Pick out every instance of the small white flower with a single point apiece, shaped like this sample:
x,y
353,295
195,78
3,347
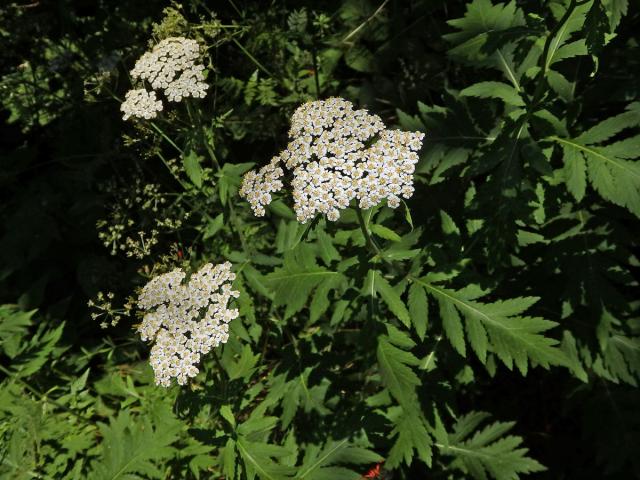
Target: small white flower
x,y
171,66
186,320
337,154
140,103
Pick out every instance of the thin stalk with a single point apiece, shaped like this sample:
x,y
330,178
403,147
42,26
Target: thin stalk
x,y
367,235
314,58
222,374
166,163
164,135
251,57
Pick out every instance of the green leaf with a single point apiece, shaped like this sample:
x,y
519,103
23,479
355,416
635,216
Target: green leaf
x,y
496,327
191,162
299,277
609,168
504,92
213,227
395,368
258,460
391,297
245,366
229,456
14,325
319,464
596,25
563,87
487,453
411,435
131,445
384,232
449,227
418,309
575,172
227,414
327,251
616,9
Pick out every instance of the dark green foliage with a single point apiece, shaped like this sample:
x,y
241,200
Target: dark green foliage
x,y
488,328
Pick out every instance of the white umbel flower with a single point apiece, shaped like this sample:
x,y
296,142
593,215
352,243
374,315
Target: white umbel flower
x,y
172,67
337,154
186,320
140,103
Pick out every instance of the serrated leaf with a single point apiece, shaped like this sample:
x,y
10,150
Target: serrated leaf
x,y
497,327
397,375
298,278
418,309
597,26
131,445
191,162
487,453
258,460
391,298
384,232
575,172
500,90
229,456
609,169
227,414
411,436
328,252
321,464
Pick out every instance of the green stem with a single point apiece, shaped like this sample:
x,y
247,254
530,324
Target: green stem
x,y
221,373
163,135
316,79
166,163
367,235
251,57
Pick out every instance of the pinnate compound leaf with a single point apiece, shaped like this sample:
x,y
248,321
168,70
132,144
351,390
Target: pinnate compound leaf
x,y
611,169
496,327
487,453
131,446
411,436
395,364
259,460
322,463
299,278
597,26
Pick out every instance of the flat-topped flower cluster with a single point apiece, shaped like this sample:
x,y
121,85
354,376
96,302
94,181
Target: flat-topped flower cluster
x,y
337,154
172,67
185,320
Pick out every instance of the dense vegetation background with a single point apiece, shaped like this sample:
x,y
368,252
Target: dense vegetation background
x,y
501,316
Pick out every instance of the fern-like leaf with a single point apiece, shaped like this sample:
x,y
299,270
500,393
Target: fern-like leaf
x,y
487,453
496,327
609,168
131,446
395,364
321,463
299,277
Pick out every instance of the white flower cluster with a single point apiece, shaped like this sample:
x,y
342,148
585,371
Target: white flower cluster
x,y
171,66
140,103
186,320
337,154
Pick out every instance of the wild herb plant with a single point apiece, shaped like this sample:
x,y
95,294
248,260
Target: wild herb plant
x,y
368,240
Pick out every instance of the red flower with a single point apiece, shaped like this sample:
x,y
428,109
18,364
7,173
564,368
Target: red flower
x,y
374,472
